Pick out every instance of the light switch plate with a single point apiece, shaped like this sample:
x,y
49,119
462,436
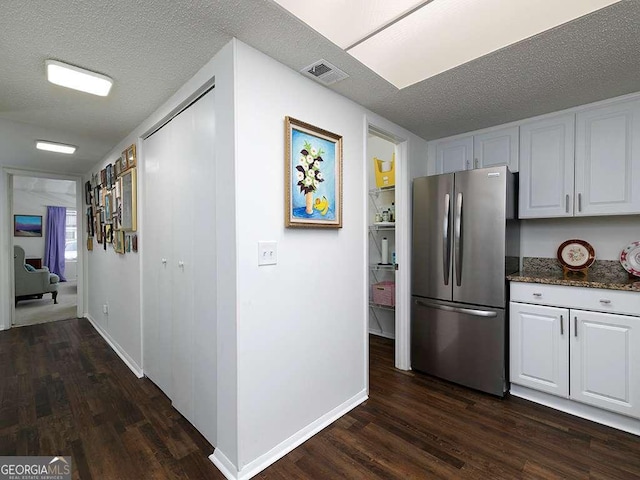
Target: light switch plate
x,y
267,253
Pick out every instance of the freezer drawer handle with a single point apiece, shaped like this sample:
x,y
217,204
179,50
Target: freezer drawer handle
x,y
467,311
458,240
446,244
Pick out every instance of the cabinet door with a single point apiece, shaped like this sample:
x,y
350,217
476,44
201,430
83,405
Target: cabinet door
x,y
605,361
539,347
546,168
454,155
496,148
608,160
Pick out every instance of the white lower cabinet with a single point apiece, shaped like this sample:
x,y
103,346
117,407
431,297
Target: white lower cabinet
x,y
605,361
540,348
585,356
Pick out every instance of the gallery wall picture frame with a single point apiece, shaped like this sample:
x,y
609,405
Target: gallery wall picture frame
x,y
313,176
119,242
117,167
108,207
103,177
128,204
90,244
87,193
134,243
96,196
27,225
129,159
99,228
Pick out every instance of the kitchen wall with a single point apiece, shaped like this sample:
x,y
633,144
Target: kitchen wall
x,y
608,235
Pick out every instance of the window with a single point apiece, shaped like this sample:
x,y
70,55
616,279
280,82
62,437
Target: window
x,y
71,236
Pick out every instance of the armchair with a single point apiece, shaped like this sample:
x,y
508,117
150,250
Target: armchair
x,y
35,283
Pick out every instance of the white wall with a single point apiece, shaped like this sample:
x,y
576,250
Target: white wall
x,y
35,203
608,235
301,323
27,202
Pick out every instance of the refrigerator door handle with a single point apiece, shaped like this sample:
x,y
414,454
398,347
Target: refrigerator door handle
x,y
446,244
466,311
457,240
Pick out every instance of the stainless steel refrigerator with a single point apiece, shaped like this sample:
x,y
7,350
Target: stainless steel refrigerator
x,y
466,239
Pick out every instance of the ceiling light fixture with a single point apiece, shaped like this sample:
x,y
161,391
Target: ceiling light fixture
x,y
78,78
407,41
55,147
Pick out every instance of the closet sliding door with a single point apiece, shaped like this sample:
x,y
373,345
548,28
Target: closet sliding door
x,y
179,290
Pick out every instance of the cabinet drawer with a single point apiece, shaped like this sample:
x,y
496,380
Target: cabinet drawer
x,y
596,299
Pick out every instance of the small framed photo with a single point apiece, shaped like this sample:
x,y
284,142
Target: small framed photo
x,y
313,176
99,228
103,177
129,155
117,167
27,225
90,244
134,243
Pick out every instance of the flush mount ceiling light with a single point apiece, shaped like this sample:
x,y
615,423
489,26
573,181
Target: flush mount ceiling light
x,y
55,147
78,78
413,41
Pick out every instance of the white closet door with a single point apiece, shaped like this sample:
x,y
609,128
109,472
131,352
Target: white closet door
x,y
156,275
185,233
204,275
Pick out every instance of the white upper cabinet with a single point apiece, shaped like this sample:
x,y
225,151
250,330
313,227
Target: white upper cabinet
x,y
454,155
546,167
496,147
488,149
608,160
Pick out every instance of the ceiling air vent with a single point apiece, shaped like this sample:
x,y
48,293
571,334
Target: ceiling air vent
x,y
324,72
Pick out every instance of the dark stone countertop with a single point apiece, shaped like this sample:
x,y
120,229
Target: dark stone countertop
x,y
606,274
590,281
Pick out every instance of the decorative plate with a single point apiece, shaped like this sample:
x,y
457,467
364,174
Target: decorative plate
x,y
576,254
630,258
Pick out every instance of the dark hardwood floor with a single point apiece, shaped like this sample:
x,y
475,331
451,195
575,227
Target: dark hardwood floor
x,y
64,391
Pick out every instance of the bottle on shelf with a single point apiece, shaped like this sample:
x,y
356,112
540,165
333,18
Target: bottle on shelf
x,y
392,212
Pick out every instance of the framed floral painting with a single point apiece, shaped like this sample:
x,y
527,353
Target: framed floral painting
x,y
313,176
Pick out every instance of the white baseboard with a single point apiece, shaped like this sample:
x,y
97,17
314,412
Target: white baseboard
x,y
610,419
129,362
230,471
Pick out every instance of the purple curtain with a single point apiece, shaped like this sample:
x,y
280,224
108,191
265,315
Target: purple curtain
x,y
55,240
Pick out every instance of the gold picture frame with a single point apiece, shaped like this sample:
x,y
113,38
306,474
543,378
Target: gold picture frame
x,y
128,205
313,176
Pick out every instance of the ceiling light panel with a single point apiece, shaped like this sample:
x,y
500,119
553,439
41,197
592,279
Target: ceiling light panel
x,y
346,22
444,34
55,147
78,78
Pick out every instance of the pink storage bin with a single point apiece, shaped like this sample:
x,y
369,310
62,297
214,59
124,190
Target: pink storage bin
x,y
384,293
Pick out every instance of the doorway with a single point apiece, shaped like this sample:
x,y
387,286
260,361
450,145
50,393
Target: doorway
x,y
31,197
387,243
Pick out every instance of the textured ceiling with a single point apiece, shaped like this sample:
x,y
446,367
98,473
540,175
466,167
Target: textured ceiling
x,y
151,48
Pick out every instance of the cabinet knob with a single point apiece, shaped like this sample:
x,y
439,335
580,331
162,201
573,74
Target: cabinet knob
x,y
181,264
537,295
604,301
164,261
